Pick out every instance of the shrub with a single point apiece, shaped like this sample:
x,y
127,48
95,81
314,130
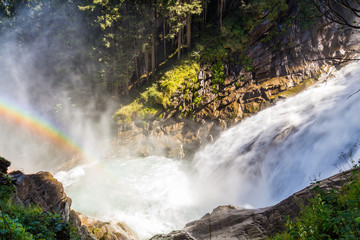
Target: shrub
x,y
217,70
330,215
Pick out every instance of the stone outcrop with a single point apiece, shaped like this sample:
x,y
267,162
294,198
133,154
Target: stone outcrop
x,y
233,223
107,230
4,164
44,190
279,67
41,189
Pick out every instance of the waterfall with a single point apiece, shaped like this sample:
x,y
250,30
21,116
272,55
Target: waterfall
x,y
278,151
256,163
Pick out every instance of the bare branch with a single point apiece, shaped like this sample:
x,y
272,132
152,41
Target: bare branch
x,y
339,11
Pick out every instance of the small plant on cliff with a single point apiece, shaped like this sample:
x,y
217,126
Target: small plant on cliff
x,y
218,75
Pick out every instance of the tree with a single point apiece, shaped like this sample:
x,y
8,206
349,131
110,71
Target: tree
x,y
221,7
180,12
125,31
344,12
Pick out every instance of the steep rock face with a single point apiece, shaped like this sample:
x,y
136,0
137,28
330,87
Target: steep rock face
x,y
280,67
44,190
230,222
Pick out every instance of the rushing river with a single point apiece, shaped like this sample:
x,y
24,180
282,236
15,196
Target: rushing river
x,y
257,163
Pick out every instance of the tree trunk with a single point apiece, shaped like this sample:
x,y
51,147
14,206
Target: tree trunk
x,y
188,32
205,11
114,82
146,55
137,70
164,34
136,63
179,44
221,12
182,37
127,88
153,53
153,17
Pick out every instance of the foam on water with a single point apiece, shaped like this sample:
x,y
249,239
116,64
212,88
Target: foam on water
x,y
151,194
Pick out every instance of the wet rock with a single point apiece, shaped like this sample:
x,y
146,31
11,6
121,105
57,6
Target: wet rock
x,y
107,230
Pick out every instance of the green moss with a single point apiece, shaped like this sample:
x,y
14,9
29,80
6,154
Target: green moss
x,y
135,110
218,75
156,97
296,89
171,80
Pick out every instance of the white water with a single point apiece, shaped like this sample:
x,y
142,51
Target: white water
x,y
151,195
260,161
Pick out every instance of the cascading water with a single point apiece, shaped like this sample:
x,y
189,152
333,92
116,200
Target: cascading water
x,y
260,161
271,155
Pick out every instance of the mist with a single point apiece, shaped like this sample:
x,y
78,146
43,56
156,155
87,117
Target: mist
x,y
45,74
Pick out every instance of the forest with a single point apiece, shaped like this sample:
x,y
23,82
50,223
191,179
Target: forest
x,y
116,44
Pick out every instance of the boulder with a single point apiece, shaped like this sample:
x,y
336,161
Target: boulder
x,y
41,189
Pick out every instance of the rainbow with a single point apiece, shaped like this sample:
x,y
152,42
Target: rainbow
x,y
38,126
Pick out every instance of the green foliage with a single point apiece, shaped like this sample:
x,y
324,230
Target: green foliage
x,y
235,35
156,97
239,25
127,30
11,229
197,100
133,111
307,14
217,70
211,49
176,12
25,223
330,215
6,190
171,80
227,45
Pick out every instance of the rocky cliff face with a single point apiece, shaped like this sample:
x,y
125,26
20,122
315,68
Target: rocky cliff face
x,y
281,66
230,222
